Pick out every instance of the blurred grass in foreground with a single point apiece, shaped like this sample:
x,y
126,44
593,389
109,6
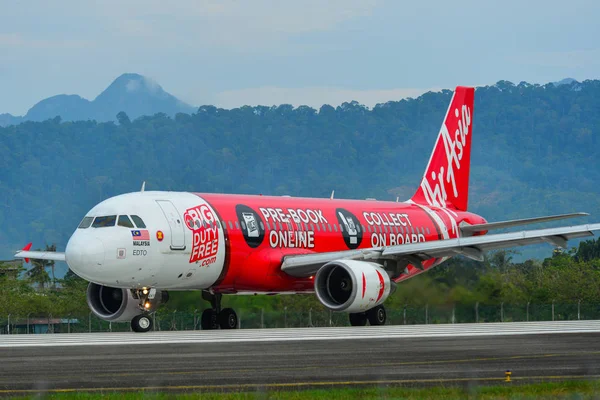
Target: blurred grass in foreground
x,y
554,390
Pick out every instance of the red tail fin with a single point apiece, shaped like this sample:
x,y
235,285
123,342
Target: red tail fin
x,y
446,179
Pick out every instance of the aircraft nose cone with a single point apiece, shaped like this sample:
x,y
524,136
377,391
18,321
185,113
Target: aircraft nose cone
x,y
84,254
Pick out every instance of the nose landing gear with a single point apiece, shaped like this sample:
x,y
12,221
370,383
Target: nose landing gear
x,y
215,317
143,322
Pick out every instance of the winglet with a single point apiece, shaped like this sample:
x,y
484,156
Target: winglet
x,y
27,248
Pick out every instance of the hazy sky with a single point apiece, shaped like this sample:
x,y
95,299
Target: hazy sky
x,y
235,52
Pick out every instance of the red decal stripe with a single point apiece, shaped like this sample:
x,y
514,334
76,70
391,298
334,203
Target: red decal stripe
x,y
364,285
381,285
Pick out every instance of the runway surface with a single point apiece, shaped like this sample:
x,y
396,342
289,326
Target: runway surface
x,y
270,359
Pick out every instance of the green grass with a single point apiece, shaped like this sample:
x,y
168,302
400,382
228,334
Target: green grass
x,y
554,390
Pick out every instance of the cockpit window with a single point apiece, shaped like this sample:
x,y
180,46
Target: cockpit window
x,y
103,222
85,222
125,221
138,221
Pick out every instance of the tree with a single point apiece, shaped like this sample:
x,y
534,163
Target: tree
x,y
123,118
37,273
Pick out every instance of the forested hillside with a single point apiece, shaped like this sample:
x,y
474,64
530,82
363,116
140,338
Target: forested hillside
x,y
535,151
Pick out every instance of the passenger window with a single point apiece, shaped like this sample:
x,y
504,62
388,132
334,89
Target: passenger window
x,y
138,221
237,226
85,222
335,227
124,221
230,225
312,227
103,222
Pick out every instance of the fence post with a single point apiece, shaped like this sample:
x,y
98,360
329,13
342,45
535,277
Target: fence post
x,y
552,310
285,317
110,326
477,311
579,309
330,321
8,326
262,318
453,313
502,312
173,322
405,314
426,314
527,311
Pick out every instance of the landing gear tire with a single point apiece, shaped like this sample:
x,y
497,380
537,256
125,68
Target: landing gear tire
x,y
141,323
358,319
228,319
377,315
209,319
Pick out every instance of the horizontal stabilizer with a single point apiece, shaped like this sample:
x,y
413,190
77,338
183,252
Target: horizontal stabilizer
x,y
470,229
41,255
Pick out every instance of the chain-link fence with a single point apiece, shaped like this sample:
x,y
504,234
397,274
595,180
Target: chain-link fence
x,y
164,320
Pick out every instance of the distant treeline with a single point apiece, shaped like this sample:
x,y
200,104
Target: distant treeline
x,y
535,151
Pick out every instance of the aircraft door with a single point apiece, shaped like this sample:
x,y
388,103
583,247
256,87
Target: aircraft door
x,y
175,224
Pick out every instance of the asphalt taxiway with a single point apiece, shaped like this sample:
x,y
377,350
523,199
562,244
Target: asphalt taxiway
x,y
253,360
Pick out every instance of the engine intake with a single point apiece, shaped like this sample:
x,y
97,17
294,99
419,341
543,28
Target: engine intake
x,y
116,304
352,286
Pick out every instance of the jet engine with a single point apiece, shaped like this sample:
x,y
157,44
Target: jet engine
x,y
118,305
352,286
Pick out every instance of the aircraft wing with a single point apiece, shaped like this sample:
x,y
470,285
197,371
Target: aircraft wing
x,y
41,255
473,247
470,229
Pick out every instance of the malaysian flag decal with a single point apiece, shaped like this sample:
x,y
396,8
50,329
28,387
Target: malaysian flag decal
x,y
141,234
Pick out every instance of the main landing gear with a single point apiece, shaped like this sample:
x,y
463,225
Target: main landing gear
x,y
376,316
215,317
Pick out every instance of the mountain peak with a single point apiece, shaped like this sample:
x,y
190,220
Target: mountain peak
x,y
132,93
137,95
134,83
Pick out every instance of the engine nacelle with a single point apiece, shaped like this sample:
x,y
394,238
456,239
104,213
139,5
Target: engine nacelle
x,y
118,305
352,286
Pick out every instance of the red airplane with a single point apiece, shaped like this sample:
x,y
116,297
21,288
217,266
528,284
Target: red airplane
x,y
135,247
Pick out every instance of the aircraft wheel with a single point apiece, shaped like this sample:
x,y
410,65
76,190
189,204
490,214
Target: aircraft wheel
x,y
209,319
377,315
141,323
228,319
358,319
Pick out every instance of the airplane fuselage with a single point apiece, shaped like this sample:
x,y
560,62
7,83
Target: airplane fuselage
x,y
236,243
